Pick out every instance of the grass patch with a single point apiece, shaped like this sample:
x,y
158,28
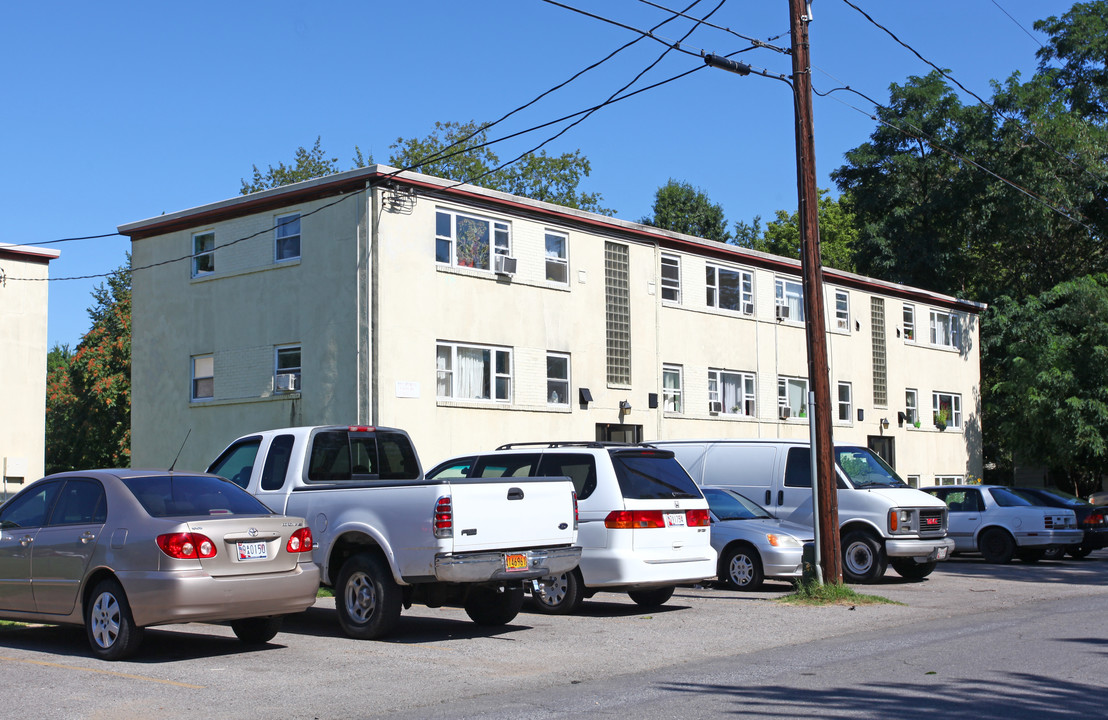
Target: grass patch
x,y
12,623
325,592
812,593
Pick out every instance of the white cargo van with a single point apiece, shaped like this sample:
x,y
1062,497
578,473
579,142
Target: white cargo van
x,y
882,520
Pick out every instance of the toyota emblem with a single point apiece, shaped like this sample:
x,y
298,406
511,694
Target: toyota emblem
x,y
252,532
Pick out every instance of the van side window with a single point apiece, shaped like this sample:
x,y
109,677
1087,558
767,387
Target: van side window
x,y
579,468
798,468
277,463
522,465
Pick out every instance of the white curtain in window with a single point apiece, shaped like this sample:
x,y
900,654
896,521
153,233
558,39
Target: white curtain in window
x,y
732,393
472,372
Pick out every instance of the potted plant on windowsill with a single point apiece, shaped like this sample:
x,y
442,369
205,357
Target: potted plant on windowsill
x,y
941,419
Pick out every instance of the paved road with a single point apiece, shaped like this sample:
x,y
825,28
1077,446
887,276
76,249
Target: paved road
x,y
974,640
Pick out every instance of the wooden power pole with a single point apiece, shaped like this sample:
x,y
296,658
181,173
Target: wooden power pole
x,y
818,375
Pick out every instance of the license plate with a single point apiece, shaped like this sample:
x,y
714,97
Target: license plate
x,y
942,554
252,551
515,562
675,519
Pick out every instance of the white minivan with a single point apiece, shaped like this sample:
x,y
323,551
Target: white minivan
x,y
644,525
882,520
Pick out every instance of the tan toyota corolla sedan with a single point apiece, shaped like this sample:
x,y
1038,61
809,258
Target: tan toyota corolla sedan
x,y
121,550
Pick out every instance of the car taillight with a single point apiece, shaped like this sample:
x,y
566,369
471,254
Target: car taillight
x,y
576,514
187,545
300,541
698,518
1095,519
1048,521
443,521
634,519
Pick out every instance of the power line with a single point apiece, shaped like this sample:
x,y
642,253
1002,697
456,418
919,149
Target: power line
x,y
69,239
1017,22
754,41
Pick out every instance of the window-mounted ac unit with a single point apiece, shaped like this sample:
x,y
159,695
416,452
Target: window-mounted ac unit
x,y
782,312
748,308
715,407
286,382
504,265
785,412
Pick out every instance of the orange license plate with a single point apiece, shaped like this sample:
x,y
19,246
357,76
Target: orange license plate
x,y
515,562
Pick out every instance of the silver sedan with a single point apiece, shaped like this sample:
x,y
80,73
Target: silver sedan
x,y
121,550
752,544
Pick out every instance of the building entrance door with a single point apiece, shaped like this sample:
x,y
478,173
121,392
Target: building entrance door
x,y
611,432
884,447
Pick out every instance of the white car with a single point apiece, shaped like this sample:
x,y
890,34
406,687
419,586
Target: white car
x,y
1001,524
644,524
752,544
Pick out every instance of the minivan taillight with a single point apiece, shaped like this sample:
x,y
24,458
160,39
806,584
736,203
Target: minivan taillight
x,y
443,521
698,518
576,513
634,519
184,546
300,541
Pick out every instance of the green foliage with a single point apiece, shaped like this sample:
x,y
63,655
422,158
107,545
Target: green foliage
x,y
459,151
1046,385
837,231
88,391
1079,40
813,593
309,164
682,208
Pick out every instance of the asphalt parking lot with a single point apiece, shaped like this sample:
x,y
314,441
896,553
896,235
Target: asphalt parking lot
x,y
438,657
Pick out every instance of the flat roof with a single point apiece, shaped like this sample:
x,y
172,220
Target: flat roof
x,y
29,253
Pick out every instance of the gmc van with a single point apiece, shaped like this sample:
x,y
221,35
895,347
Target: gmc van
x,y
882,520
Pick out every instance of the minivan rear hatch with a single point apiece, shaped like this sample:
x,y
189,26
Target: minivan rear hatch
x,y
666,509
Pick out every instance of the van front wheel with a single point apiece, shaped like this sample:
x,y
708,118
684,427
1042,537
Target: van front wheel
x,y
864,559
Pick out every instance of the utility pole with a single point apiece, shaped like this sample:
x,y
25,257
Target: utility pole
x,y
822,449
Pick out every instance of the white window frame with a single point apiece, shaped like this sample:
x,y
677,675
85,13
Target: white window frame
x,y
671,281
842,311
846,405
954,402
282,237
557,387
285,368
203,257
713,289
908,322
449,376
948,334
201,368
746,399
673,395
446,237
783,385
949,479
791,294
557,263
911,406
912,480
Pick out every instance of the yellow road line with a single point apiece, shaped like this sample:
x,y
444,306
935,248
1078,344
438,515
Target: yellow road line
x,y
103,672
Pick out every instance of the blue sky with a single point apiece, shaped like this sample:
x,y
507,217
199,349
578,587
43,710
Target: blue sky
x,y
120,111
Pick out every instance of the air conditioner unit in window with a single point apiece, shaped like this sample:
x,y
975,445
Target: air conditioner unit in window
x,y
504,265
782,312
715,407
748,308
286,382
785,412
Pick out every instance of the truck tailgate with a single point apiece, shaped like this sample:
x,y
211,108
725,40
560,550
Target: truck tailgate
x,y
509,513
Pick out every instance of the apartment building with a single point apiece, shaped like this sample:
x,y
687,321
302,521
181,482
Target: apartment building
x,y
24,290
473,318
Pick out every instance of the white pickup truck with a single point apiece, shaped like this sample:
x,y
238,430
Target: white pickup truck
x,y
385,536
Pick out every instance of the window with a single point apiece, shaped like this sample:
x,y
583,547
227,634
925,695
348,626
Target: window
x,y
203,254
946,330
467,372
673,399
557,379
791,295
467,241
671,278
203,377
617,310
947,409
557,258
731,392
81,502
911,407
970,502
913,481
287,369
287,245
909,323
730,289
842,311
845,403
792,397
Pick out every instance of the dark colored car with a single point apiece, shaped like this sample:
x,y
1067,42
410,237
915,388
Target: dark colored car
x,y
1090,518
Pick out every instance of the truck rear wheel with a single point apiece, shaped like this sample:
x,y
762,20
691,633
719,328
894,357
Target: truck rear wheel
x,y
864,559
366,597
490,606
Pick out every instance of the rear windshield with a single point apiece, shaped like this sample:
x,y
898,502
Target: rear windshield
x,y
190,495
652,475
1006,498
727,505
343,455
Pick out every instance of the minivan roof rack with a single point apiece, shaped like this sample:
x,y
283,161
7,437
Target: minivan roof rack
x,y
564,443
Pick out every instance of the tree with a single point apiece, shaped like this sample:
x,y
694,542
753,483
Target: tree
x,y
460,151
1047,383
1079,40
837,230
88,394
680,207
309,164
